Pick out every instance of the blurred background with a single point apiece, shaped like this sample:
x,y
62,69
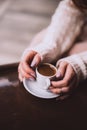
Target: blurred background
x,y
20,20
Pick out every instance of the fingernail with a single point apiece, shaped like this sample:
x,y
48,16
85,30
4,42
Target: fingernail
x,y
31,79
33,63
58,74
33,74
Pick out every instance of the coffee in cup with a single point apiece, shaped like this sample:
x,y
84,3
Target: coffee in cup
x,y
46,70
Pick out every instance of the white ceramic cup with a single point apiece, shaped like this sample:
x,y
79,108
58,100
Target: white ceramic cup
x,y
44,80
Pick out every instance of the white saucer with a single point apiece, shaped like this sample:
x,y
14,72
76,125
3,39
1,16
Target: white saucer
x,y
32,87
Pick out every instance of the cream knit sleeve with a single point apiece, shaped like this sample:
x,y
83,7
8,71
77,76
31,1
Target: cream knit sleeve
x,y
79,64
64,28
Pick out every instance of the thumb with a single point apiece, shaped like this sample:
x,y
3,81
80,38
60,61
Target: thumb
x,y
36,60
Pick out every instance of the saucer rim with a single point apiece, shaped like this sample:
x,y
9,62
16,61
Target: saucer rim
x,y
36,94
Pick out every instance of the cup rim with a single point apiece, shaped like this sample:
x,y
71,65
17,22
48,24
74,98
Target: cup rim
x,y
45,75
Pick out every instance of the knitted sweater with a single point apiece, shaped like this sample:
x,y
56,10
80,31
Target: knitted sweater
x,y
65,26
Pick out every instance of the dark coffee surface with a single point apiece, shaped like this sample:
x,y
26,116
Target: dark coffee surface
x,y
20,110
46,70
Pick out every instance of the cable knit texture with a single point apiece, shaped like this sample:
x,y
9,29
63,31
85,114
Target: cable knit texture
x,y
65,26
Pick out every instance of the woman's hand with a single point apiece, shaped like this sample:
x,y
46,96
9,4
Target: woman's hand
x,y
26,66
66,80
31,59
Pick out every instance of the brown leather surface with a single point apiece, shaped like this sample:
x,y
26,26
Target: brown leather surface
x,y
19,110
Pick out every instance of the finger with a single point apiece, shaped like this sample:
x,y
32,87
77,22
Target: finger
x,y
20,77
59,84
23,73
27,69
19,74
61,70
55,90
65,89
60,91
70,73
29,56
36,60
